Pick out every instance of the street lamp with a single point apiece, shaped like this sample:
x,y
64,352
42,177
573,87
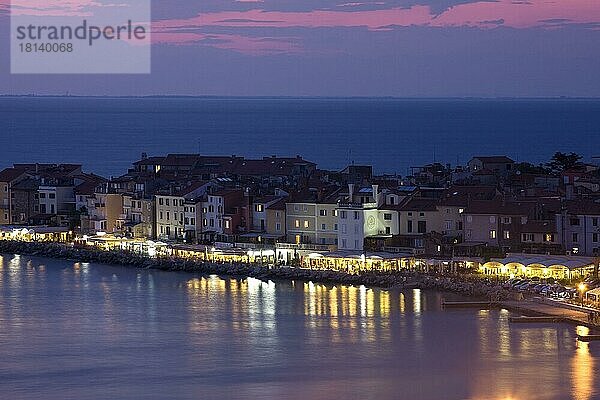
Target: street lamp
x,y
582,287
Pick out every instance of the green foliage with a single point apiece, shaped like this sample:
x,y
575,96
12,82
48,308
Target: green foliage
x,y
562,161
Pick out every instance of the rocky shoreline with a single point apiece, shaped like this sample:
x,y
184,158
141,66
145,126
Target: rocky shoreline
x,y
465,285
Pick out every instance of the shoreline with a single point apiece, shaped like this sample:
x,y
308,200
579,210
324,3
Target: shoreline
x,y
473,288
469,286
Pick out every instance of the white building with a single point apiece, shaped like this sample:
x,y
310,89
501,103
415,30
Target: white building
x,y
363,219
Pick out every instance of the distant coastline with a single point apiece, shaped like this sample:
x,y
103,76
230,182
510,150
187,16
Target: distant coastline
x,y
273,97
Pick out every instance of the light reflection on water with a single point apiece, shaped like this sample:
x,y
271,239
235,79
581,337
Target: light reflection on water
x,y
75,330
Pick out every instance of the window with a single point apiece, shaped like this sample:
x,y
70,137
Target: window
x,y
506,235
335,213
575,237
323,227
388,230
277,214
167,215
492,219
355,229
167,201
549,237
421,214
344,228
42,195
595,237
422,227
356,244
212,223
574,221
296,207
51,195
409,226
161,215
595,221
323,213
469,218
343,215
335,227
306,224
180,202
392,200
448,225
187,221
387,217
356,215
506,220
193,221
344,243
323,241
278,226
410,214
492,234
304,208
227,224
258,208
297,223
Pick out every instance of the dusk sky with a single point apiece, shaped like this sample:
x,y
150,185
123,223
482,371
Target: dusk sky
x,y
423,48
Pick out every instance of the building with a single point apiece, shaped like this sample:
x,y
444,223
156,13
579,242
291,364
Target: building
x,y
499,165
179,210
8,178
312,217
360,217
578,227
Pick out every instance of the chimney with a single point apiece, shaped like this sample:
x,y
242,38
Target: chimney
x,y
376,194
144,156
350,192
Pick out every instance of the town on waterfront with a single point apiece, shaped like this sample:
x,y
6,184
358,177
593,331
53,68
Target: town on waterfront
x,y
535,226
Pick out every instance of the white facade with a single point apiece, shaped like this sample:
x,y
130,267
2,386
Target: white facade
x,y
56,199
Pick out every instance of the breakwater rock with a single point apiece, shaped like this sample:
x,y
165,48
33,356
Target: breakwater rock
x,y
469,286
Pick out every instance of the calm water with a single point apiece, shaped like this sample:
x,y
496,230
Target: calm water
x,y
108,134
85,331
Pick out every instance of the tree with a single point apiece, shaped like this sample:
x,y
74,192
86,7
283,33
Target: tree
x,y
562,161
528,168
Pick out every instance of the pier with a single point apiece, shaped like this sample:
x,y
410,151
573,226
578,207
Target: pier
x,y
468,304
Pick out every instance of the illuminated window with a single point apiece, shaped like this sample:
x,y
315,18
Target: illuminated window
x,y
297,223
506,234
493,234
306,224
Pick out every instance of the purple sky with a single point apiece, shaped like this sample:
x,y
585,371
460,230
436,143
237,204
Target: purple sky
x,y
425,48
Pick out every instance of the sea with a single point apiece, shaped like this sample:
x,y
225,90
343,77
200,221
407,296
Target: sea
x,y
107,134
84,331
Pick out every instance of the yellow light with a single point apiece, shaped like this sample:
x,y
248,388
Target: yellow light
x,y
582,287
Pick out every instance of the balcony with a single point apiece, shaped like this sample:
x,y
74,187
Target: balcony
x,y
305,246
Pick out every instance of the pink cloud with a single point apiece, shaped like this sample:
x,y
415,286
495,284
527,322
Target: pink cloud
x,y
238,43
481,14
61,8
